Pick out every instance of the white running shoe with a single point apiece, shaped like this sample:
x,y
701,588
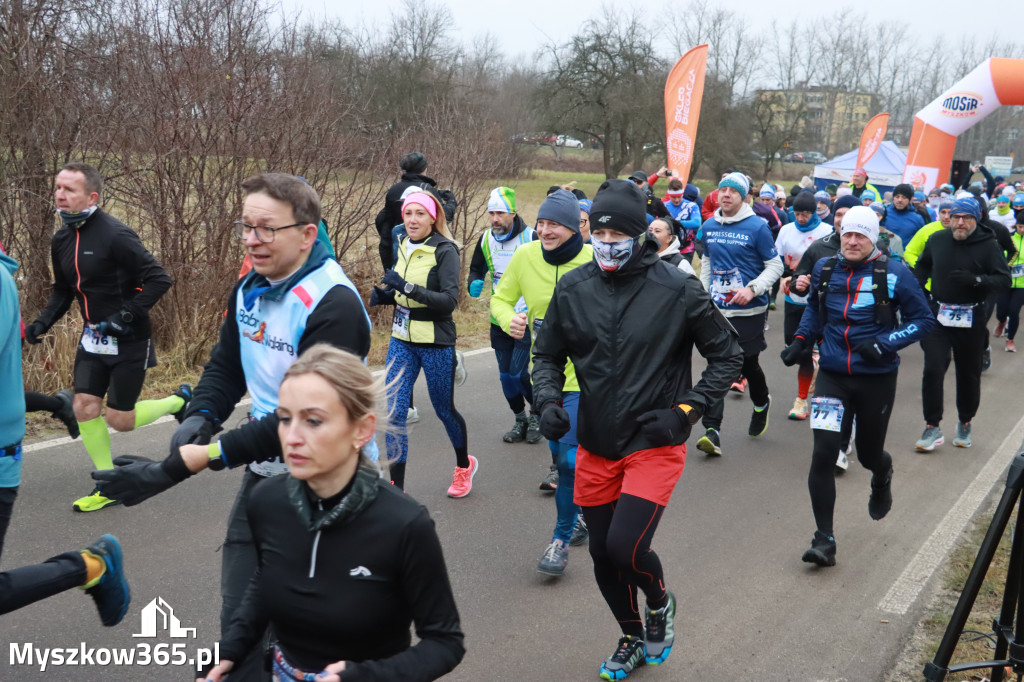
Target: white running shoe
x,y
460,369
842,462
413,416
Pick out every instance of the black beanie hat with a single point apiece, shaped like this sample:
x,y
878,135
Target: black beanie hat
x,y
903,189
413,162
849,201
805,201
619,205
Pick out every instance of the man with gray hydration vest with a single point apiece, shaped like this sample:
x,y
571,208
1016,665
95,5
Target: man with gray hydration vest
x,y
493,252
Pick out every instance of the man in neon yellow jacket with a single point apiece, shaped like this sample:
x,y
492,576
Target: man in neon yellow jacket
x,y
532,274
913,250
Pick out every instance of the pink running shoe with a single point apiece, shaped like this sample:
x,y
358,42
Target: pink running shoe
x,y
462,479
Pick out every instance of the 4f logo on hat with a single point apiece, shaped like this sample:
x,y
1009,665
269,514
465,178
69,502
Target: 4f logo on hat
x,y
604,219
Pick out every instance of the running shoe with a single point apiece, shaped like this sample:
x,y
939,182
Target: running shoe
x,y
822,551
554,559
710,444
413,416
550,482
93,502
460,368
759,420
739,386
580,532
931,437
533,434
1011,347
66,413
842,462
963,436
986,360
462,479
1000,326
517,434
800,410
880,501
629,654
185,393
110,591
660,631
772,306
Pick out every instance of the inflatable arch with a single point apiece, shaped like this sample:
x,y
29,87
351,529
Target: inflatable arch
x,y
992,84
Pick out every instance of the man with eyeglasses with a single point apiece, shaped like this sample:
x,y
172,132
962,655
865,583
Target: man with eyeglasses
x,y
965,265
102,263
296,296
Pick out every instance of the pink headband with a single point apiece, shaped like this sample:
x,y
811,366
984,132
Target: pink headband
x,y
424,200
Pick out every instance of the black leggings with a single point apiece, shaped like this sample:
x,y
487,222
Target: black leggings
x,y
758,390
870,398
1008,310
620,545
40,402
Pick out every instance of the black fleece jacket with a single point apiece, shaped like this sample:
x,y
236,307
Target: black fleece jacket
x,y
104,265
979,255
343,579
630,335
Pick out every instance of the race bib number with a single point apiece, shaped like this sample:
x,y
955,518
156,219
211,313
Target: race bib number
x,y
951,315
98,344
400,322
537,322
724,284
827,414
1017,270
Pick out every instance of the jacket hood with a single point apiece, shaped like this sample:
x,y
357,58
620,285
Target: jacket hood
x,y
671,249
742,214
418,178
9,263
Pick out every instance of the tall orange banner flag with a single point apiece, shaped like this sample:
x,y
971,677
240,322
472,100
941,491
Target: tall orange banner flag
x,y
871,138
684,91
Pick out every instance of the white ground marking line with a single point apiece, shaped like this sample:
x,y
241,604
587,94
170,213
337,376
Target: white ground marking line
x,y
933,552
64,440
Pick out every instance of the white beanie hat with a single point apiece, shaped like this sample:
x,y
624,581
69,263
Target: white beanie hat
x,y
862,220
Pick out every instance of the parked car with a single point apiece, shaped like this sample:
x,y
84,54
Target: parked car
x,y
814,157
568,142
795,157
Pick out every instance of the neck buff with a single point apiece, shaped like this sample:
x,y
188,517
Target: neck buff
x,y
76,218
811,224
502,237
824,212
612,256
565,252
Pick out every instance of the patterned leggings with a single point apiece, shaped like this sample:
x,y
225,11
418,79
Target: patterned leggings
x,y
438,362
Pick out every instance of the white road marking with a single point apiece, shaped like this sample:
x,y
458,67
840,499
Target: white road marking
x,y
933,552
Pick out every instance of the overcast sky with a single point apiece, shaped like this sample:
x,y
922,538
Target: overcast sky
x,y
522,26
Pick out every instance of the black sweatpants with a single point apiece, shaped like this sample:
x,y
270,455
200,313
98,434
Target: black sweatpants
x,y
620,545
869,398
751,338
23,586
966,348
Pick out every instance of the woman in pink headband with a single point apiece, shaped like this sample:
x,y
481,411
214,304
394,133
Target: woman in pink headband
x,y
424,288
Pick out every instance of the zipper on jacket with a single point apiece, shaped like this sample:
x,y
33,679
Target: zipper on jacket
x,y
846,332
78,273
316,544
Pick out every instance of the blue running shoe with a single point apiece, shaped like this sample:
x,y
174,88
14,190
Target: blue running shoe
x,y
629,655
660,631
110,591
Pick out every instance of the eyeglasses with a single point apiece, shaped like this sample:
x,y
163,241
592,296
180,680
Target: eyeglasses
x,y
584,221
962,219
263,234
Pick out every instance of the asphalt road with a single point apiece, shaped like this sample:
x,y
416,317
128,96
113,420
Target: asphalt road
x,y
730,541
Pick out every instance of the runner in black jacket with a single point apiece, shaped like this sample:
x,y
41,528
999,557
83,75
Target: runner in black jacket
x,y
629,321
101,262
412,164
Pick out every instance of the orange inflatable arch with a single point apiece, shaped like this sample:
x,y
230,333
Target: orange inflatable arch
x,y
995,82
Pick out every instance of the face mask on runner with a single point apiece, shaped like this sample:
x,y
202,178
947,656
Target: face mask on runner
x,y
76,218
612,256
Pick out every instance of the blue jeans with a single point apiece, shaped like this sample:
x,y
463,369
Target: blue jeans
x,y
563,451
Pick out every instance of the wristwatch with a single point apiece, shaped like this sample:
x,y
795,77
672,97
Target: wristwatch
x,y
409,286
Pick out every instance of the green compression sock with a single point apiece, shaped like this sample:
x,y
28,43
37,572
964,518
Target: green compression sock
x,y
148,411
96,440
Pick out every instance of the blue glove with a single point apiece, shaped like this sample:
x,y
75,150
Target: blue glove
x,y
394,280
476,287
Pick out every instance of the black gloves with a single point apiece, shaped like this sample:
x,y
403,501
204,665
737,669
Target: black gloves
x,y
34,331
117,325
196,429
665,427
136,479
964,278
554,421
379,296
394,280
792,353
870,351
